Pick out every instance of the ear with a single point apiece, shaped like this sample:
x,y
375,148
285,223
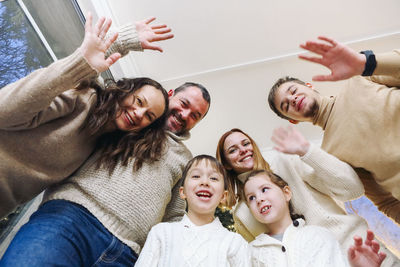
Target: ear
x,y
170,93
182,193
224,198
287,192
294,121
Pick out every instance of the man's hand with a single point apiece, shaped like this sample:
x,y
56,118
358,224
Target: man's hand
x,y
290,141
343,62
95,45
148,34
367,254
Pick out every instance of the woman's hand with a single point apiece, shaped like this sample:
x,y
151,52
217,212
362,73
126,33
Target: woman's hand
x,y
149,34
95,44
290,141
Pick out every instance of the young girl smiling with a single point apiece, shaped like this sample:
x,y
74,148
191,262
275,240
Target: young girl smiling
x,y
290,242
198,239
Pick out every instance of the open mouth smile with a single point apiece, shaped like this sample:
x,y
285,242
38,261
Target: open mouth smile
x,y
204,194
265,209
300,104
129,119
248,157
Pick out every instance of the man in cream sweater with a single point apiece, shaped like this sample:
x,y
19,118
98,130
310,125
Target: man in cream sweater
x,y
361,123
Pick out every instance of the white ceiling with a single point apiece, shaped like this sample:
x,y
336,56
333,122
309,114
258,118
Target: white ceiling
x,y
237,49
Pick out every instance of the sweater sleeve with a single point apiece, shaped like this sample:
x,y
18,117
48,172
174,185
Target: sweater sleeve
x,y
387,70
176,207
150,254
239,252
383,199
331,176
128,40
321,246
30,101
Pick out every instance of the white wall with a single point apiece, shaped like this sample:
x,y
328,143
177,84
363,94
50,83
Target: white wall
x,y
237,49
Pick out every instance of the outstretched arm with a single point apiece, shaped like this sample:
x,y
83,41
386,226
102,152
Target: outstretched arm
x,y
140,35
38,97
342,61
149,34
95,44
327,174
365,254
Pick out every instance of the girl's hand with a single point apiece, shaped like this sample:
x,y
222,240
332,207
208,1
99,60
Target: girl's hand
x,y
290,141
148,34
367,254
95,45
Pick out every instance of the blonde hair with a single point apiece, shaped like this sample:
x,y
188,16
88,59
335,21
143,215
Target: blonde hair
x,y
233,181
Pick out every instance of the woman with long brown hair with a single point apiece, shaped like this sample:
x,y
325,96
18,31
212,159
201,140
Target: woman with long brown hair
x,y
49,126
103,211
318,181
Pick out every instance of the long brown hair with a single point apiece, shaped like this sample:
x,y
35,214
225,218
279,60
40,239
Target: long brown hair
x,y
259,164
145,145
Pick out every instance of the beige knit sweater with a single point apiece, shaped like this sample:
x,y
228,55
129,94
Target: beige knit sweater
x,y
40,119
129,203
362,128
318,181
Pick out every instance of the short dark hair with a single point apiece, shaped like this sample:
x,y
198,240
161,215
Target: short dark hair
x,y
273,91
214,163
204,92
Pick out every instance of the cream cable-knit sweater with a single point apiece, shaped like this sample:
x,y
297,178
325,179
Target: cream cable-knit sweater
x,y
128,203
183,244
301,246
40,119
319,182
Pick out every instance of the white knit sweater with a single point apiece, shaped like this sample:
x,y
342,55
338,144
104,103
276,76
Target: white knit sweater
x,y
320,183
301,246
183,244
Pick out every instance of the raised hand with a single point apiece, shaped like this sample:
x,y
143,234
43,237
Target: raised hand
x,y
343,62
290,141
367,254
149,34
95,44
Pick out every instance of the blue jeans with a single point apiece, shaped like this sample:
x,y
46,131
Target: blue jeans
x,y
62,233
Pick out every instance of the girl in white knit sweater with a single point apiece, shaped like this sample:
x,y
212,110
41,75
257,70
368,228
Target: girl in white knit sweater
x,y
290,242
198,239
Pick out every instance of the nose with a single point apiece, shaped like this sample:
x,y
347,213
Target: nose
x,y
139,113
204,181
293,100
185,114
242,150
260,200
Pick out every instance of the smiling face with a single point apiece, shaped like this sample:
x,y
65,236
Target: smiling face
x,y
186,109
140,109
238,151
297,101
203,189
268,203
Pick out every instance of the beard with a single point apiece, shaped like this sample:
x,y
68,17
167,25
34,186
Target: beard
x,y
313,110
172,115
